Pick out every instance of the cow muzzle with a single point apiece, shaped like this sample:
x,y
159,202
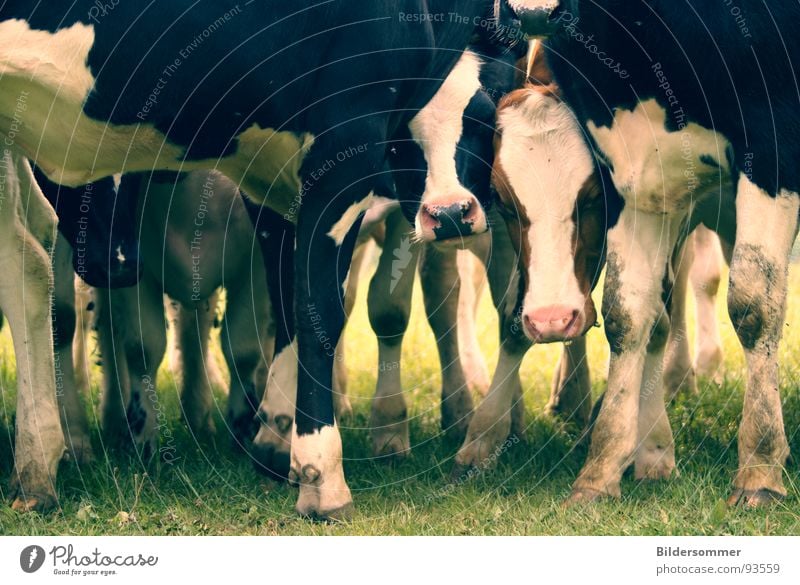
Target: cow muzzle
x,y
444,220
554,323
537,17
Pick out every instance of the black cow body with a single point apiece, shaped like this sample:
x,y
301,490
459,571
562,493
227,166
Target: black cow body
x,y
301,103
682,101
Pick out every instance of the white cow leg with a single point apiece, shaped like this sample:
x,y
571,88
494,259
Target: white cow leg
x,y
389,303
472,275
492,422
440,287
73,412
679,375
640,248
27,227
766,229
655,448
705,276
341,402
193,327
571,396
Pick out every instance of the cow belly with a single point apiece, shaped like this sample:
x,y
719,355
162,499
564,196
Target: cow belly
x,y
658,169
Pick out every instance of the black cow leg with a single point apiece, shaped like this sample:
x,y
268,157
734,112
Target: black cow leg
x,y
321,263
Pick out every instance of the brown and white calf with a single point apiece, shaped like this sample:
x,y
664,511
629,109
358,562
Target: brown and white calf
x,y
557,206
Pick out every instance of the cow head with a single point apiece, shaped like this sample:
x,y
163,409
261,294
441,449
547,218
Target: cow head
x,y
538,18
553,196
99,223
453,134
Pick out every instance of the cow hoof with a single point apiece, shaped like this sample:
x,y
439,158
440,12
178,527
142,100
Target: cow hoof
x,y
342,514
456,415
655,468
461,473
754,498
391,442
322,502
583,497
79,451
38,502
344,410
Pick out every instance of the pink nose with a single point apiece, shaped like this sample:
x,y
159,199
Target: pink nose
x,y
555,323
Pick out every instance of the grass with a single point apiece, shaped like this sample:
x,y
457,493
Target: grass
x,y
213,489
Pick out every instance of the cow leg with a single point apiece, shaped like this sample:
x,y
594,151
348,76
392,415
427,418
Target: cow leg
x,y
757,306
73,412
472,277
245,329
193,328
571,396
492,422
636,325
389,302
84,308
116,379
341,402
27,226
440,286
679,374
145,351
706,274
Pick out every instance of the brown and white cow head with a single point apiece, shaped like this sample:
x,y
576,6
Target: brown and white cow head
x,y
552,196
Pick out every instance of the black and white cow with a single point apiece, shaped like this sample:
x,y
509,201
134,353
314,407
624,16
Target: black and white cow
x,y
683,102
298,102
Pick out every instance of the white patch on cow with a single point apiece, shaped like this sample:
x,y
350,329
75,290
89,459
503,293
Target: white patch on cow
x,y
342,227
44,83
656,170
437,129
547,162
317,466
120,256
521,5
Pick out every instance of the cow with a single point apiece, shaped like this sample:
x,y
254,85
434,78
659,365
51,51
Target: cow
x,y
534,124
681,105
191,247
295,102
